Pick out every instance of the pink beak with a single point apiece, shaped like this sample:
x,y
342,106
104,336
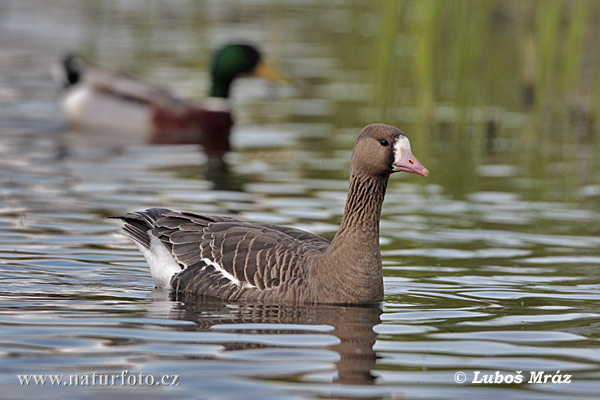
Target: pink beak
x,y
410,164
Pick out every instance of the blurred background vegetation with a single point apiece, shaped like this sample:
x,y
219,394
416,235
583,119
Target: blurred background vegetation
x,y
471,82
457,62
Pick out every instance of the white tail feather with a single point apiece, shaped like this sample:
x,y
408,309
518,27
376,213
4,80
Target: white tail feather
x,y
163,266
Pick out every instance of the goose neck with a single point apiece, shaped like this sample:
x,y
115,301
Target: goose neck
x,y
363,208
350,270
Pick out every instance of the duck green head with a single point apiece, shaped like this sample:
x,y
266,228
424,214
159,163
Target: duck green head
x,y
234,60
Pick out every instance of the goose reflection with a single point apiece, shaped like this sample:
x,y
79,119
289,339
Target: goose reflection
x,y
351,325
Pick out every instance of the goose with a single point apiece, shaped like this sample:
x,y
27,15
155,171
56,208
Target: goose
x,y
98,100
226,258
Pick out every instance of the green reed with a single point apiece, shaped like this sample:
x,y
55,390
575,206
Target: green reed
x,y
386,80
481,75
428,16
469,60
574,44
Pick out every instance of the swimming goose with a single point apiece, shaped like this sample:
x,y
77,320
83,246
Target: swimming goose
x,y
100,100
234,260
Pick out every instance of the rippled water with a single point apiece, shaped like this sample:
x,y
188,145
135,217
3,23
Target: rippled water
x,y
490,265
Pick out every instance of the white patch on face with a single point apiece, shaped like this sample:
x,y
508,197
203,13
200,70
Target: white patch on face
x,y
402,143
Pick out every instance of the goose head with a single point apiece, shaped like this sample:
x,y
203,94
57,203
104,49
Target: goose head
x,y
381,150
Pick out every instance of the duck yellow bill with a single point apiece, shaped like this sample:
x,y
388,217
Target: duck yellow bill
x,y
269,72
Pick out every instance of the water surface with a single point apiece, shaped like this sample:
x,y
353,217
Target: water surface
x,y
491,264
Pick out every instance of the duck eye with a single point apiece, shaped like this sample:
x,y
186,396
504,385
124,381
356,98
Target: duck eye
x,y
384,142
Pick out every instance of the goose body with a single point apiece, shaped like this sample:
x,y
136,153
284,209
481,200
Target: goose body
x,y
99,100
234,260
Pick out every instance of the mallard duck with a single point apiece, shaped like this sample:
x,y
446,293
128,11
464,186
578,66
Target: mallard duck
x,y
99,100
234,260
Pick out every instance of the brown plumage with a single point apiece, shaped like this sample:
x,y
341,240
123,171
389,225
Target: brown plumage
x,y
240,261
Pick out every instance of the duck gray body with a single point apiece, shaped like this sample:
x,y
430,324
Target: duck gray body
x,y
240,261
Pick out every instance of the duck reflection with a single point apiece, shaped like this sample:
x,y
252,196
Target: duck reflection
x,y
352,325
81,146
218,172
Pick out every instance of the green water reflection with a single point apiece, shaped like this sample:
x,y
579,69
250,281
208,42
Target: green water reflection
x,y
491,262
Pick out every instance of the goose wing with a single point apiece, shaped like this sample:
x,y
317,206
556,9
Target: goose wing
x,y
305,237
223,256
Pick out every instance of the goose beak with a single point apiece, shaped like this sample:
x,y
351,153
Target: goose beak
x,y
409,163
269,72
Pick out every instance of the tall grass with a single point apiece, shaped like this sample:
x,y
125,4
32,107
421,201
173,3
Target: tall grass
x,y
386,78
467,56
428,17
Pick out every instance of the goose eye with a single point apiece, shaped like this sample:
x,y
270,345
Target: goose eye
x,y
384,142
